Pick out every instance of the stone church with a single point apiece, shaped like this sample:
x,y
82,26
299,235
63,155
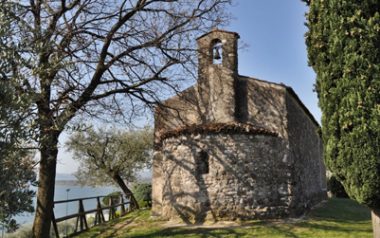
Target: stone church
x,y
234,147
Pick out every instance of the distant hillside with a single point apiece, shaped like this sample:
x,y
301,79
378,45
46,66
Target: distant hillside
x,y
144,176
64,179
63,176
66,182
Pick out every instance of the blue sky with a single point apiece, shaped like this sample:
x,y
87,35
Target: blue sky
x,y
273,31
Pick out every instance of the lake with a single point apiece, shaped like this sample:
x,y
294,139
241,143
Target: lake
x,y
75,191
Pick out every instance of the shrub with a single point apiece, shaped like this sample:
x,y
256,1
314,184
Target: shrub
x,y
142,192
115,198
25,231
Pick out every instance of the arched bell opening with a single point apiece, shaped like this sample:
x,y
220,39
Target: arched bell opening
x,y
216,51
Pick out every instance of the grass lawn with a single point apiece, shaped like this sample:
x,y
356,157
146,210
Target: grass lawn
x,y
338,218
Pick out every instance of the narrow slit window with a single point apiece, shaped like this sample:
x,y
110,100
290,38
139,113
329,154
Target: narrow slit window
x,y
217,52
202,163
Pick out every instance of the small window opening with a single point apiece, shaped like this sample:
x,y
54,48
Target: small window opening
x,y
217,52
202,163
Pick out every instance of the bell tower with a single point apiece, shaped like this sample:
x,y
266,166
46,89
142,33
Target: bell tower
x,y
217,74
219,48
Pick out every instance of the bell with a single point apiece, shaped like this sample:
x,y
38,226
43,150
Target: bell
x,y
217,54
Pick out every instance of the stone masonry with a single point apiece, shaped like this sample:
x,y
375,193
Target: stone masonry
x,y
233,146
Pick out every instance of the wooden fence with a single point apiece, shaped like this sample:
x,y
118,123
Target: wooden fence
x,y
81,219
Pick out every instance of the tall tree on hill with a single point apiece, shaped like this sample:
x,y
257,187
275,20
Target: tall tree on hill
x,y
98,58
111,157
344,50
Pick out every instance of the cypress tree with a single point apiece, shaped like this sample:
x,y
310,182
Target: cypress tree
x,y
344,50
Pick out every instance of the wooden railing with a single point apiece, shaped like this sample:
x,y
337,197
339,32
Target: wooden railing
x,y
81,223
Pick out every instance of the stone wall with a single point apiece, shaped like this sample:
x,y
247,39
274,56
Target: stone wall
x,y
266,105
306,155
270,106
261,104
181,110
222,96
212,99
248,177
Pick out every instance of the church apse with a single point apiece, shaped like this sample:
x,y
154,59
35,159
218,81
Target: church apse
x,y
226,147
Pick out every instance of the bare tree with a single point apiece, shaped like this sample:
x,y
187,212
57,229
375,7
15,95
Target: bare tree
x,y
98,58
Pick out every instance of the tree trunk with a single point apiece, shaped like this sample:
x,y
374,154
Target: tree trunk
x,y
126,190
376,223
46,185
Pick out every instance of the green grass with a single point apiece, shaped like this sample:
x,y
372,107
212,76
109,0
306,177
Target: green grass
x,y
338,218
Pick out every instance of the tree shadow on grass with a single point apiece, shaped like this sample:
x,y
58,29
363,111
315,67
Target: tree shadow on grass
x,y
251,229
337,215
342,216
103,230
333,227
341,210
193,232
